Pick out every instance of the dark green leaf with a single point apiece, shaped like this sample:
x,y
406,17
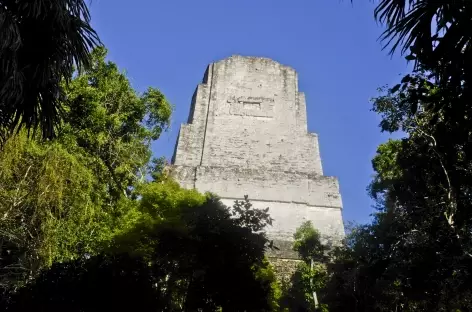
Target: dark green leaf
x,y
395,88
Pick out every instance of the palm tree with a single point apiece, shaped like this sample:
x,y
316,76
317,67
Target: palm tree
x,y
438,34
41,42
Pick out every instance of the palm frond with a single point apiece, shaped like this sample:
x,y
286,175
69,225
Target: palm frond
x,y
391,12
436,34
42,42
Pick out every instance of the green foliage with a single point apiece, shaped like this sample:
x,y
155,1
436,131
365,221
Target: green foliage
x,y
68,197
185,252
306,281
385,164
265,274
110,121
47,207
247,217
158,169
308,243
416,254
310,276
167,200
201,253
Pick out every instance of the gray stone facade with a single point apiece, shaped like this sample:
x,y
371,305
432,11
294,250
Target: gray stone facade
x,y
247,135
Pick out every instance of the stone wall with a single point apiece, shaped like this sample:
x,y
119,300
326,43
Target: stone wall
x,y
248,113
284,269
272,185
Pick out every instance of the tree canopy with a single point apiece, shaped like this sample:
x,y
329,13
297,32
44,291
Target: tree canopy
x,y
416,255
185,252
65,197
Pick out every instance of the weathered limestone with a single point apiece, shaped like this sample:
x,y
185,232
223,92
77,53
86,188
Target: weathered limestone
x,y
247,135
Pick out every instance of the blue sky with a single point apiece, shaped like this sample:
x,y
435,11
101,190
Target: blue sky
x,y
332,44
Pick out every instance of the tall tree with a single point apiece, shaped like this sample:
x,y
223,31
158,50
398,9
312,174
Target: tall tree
x,y
305,292
41,42
112,122
60,199
204,255
417,253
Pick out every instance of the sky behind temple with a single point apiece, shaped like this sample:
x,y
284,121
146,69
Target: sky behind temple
x,y
332,44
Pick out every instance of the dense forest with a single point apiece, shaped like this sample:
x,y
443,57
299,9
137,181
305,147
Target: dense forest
x,y
90,221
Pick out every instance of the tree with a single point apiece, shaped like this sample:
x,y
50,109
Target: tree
x,y
416,254
306,288
429,197
186,252
30,78
308,243
201,251
48,208
64,198
110,121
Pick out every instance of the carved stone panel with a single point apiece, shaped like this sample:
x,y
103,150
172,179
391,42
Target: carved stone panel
x,y
251,106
